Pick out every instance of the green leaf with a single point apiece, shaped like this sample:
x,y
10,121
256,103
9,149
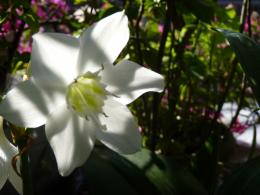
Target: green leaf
x,y
3,17
140,173
245,180
31,19
248,54
79,2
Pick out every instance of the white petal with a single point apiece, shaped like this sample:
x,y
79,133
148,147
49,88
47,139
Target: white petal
x,y
27,105
54,58
7,152
4,158
15,180
102,42
71,138
129,80
120,131
4,168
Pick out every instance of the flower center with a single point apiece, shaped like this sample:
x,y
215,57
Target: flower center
x,y
86,95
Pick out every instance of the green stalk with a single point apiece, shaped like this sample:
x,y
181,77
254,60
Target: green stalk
x,y
25,167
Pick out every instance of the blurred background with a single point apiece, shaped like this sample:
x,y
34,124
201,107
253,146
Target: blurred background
x,y
205,123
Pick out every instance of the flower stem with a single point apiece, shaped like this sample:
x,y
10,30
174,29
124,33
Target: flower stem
x,y
25,167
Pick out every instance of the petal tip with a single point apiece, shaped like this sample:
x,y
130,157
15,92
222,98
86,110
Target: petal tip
x,y
37,35
162,85
123,16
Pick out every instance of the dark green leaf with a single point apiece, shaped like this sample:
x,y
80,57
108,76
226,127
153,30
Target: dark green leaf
x,y
140,173
248,54
3,17
245,180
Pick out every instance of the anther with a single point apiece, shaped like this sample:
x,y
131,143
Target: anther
x,y
105,115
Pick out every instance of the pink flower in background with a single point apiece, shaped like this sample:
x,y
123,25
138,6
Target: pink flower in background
x,y
188,47
57,2
160,28
141,129
7,29
210,114
6,26
245,119
25,45
242,123
18,23
41,13
239,127
47,10
246,27
222,45
258,27
50,10
164,100
105,5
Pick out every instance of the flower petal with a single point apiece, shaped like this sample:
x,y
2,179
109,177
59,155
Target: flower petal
x,y
15,180
120,130
71,138
27,105
4,168
102,42
7,152
129,80
54,58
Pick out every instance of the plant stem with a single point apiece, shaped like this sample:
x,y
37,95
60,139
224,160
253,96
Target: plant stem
x,y
241,101
25,167
156,97
243,89
137,32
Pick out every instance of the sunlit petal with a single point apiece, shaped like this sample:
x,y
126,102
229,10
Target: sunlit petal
x,y
129,80
4,168
120,130
7,152
102,42
71,138
27,105
54,58
14,179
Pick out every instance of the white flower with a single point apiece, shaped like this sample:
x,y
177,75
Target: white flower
x,y
7,152
79,94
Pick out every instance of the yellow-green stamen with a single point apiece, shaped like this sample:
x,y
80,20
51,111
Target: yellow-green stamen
x,y
86,95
